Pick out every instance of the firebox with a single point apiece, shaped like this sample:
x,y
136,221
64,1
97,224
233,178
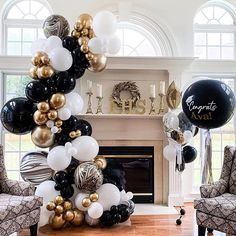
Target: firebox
x,y
131,168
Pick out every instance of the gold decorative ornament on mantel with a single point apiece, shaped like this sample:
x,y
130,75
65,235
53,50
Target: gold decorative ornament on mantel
x,y
173,96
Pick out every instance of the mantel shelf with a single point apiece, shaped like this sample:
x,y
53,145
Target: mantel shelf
x,y
120,116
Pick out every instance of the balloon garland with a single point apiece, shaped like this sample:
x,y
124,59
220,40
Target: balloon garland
x,y
70,175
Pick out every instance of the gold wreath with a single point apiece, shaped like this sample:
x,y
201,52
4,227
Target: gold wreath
x,y
129,86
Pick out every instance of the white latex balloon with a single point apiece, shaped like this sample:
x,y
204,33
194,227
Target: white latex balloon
x,y
52,42
169,153
104,24
74,103
171,121
78,201
87,148
60,59
95,45
64,113
76,192
58,159
113,44
44,215
90,221
109,195
38,45
47,191
187,136
95,210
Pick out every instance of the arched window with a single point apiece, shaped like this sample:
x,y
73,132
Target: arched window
x,y
22,24
214,31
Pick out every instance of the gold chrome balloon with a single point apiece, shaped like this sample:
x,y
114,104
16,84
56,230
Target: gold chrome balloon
x,y
100,162
58,123
59,209
98,63
83,41
56,221
40,54
36,61
69,215
78,218
51,206
43,107
93,197
67,205
40,118
59,200
57,100
89,56
86,202
72,134
45,72
84,32
52,115
78,133
84,48
86,20
33,72
91,34
75,34
78,26
45,60
173,96
42,136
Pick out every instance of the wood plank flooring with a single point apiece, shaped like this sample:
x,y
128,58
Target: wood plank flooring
x,y
155,225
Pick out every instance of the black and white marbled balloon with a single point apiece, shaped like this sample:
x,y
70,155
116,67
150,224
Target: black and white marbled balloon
x,y
88,177
34,167
56,25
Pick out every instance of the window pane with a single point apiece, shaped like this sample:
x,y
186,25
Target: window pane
x,y
200,52
227,53
24,6
14,34
200,38
228,139
213,52
208,12
213,39
216,142
14,175
227,39
15,13
26,49
216,174
40,34
26,143
200,19
227,19
12,160
216,160
35,6
43,14
14,48
197,177
29,34
218,12
12,142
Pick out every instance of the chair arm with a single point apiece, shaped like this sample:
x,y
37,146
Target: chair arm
x,y
213,190
18,188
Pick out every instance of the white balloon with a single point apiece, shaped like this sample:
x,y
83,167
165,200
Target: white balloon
x,y
58,159
52,42
113,45
169,153
109,195
95,45
44,215
90,221
104,24
171,121
78,201
187,136
60,59
87,148
95,210
74,103
47,191
64,113
130,195
38,45
50,123
76,192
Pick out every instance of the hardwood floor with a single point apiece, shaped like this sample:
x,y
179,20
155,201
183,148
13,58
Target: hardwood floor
x,y
157,225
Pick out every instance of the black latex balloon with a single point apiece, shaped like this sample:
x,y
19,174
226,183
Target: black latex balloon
x,y
117,218
62,139
17,115
37,91
189,154
114,209
85,127
208,103
107,219
67,192
124,212
60,176
63,82
69,43
71,170
76,72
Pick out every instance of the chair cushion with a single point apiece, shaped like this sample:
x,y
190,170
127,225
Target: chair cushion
x,y
12,206
222,206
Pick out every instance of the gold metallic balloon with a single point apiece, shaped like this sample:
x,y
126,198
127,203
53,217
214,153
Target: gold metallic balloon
x,y
36,60
58,123
84,48
98,63
86,20
59,130
40,54
78,133
100,162
45,60
45,72
84,32
43,107
78,26
83,41
75,34
91,34
86,202
52,115
57,100
67,205
78,219
89,56
51,206
59,200
40,118
42,136
93,197
33,72
56,221
72,134
59,209
173,96
69,215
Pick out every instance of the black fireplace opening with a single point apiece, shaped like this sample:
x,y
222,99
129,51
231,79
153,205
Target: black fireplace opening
x,y
131,168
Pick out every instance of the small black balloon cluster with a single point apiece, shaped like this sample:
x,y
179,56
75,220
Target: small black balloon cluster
x,y
182,213
117,214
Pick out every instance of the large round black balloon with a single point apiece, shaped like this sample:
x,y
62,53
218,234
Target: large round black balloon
x,y
85,127
189,154
17,115
37,91
69,43
107,219
209,103
63,82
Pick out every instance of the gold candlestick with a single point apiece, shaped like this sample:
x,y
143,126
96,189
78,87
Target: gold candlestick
x,y
161,109
99,108
89,110
152,109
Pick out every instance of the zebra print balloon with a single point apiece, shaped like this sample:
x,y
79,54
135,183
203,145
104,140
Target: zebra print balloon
x,y
34,168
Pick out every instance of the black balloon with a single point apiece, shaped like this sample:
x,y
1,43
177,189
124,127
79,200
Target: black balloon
x,y
114,209
107,219
85,127
60,176
189,154
69,43
124,212
67,192
17,115
208,103
62,139
37,91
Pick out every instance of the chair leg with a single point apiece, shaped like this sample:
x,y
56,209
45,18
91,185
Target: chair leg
x,y
210,230
201,230
34,230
